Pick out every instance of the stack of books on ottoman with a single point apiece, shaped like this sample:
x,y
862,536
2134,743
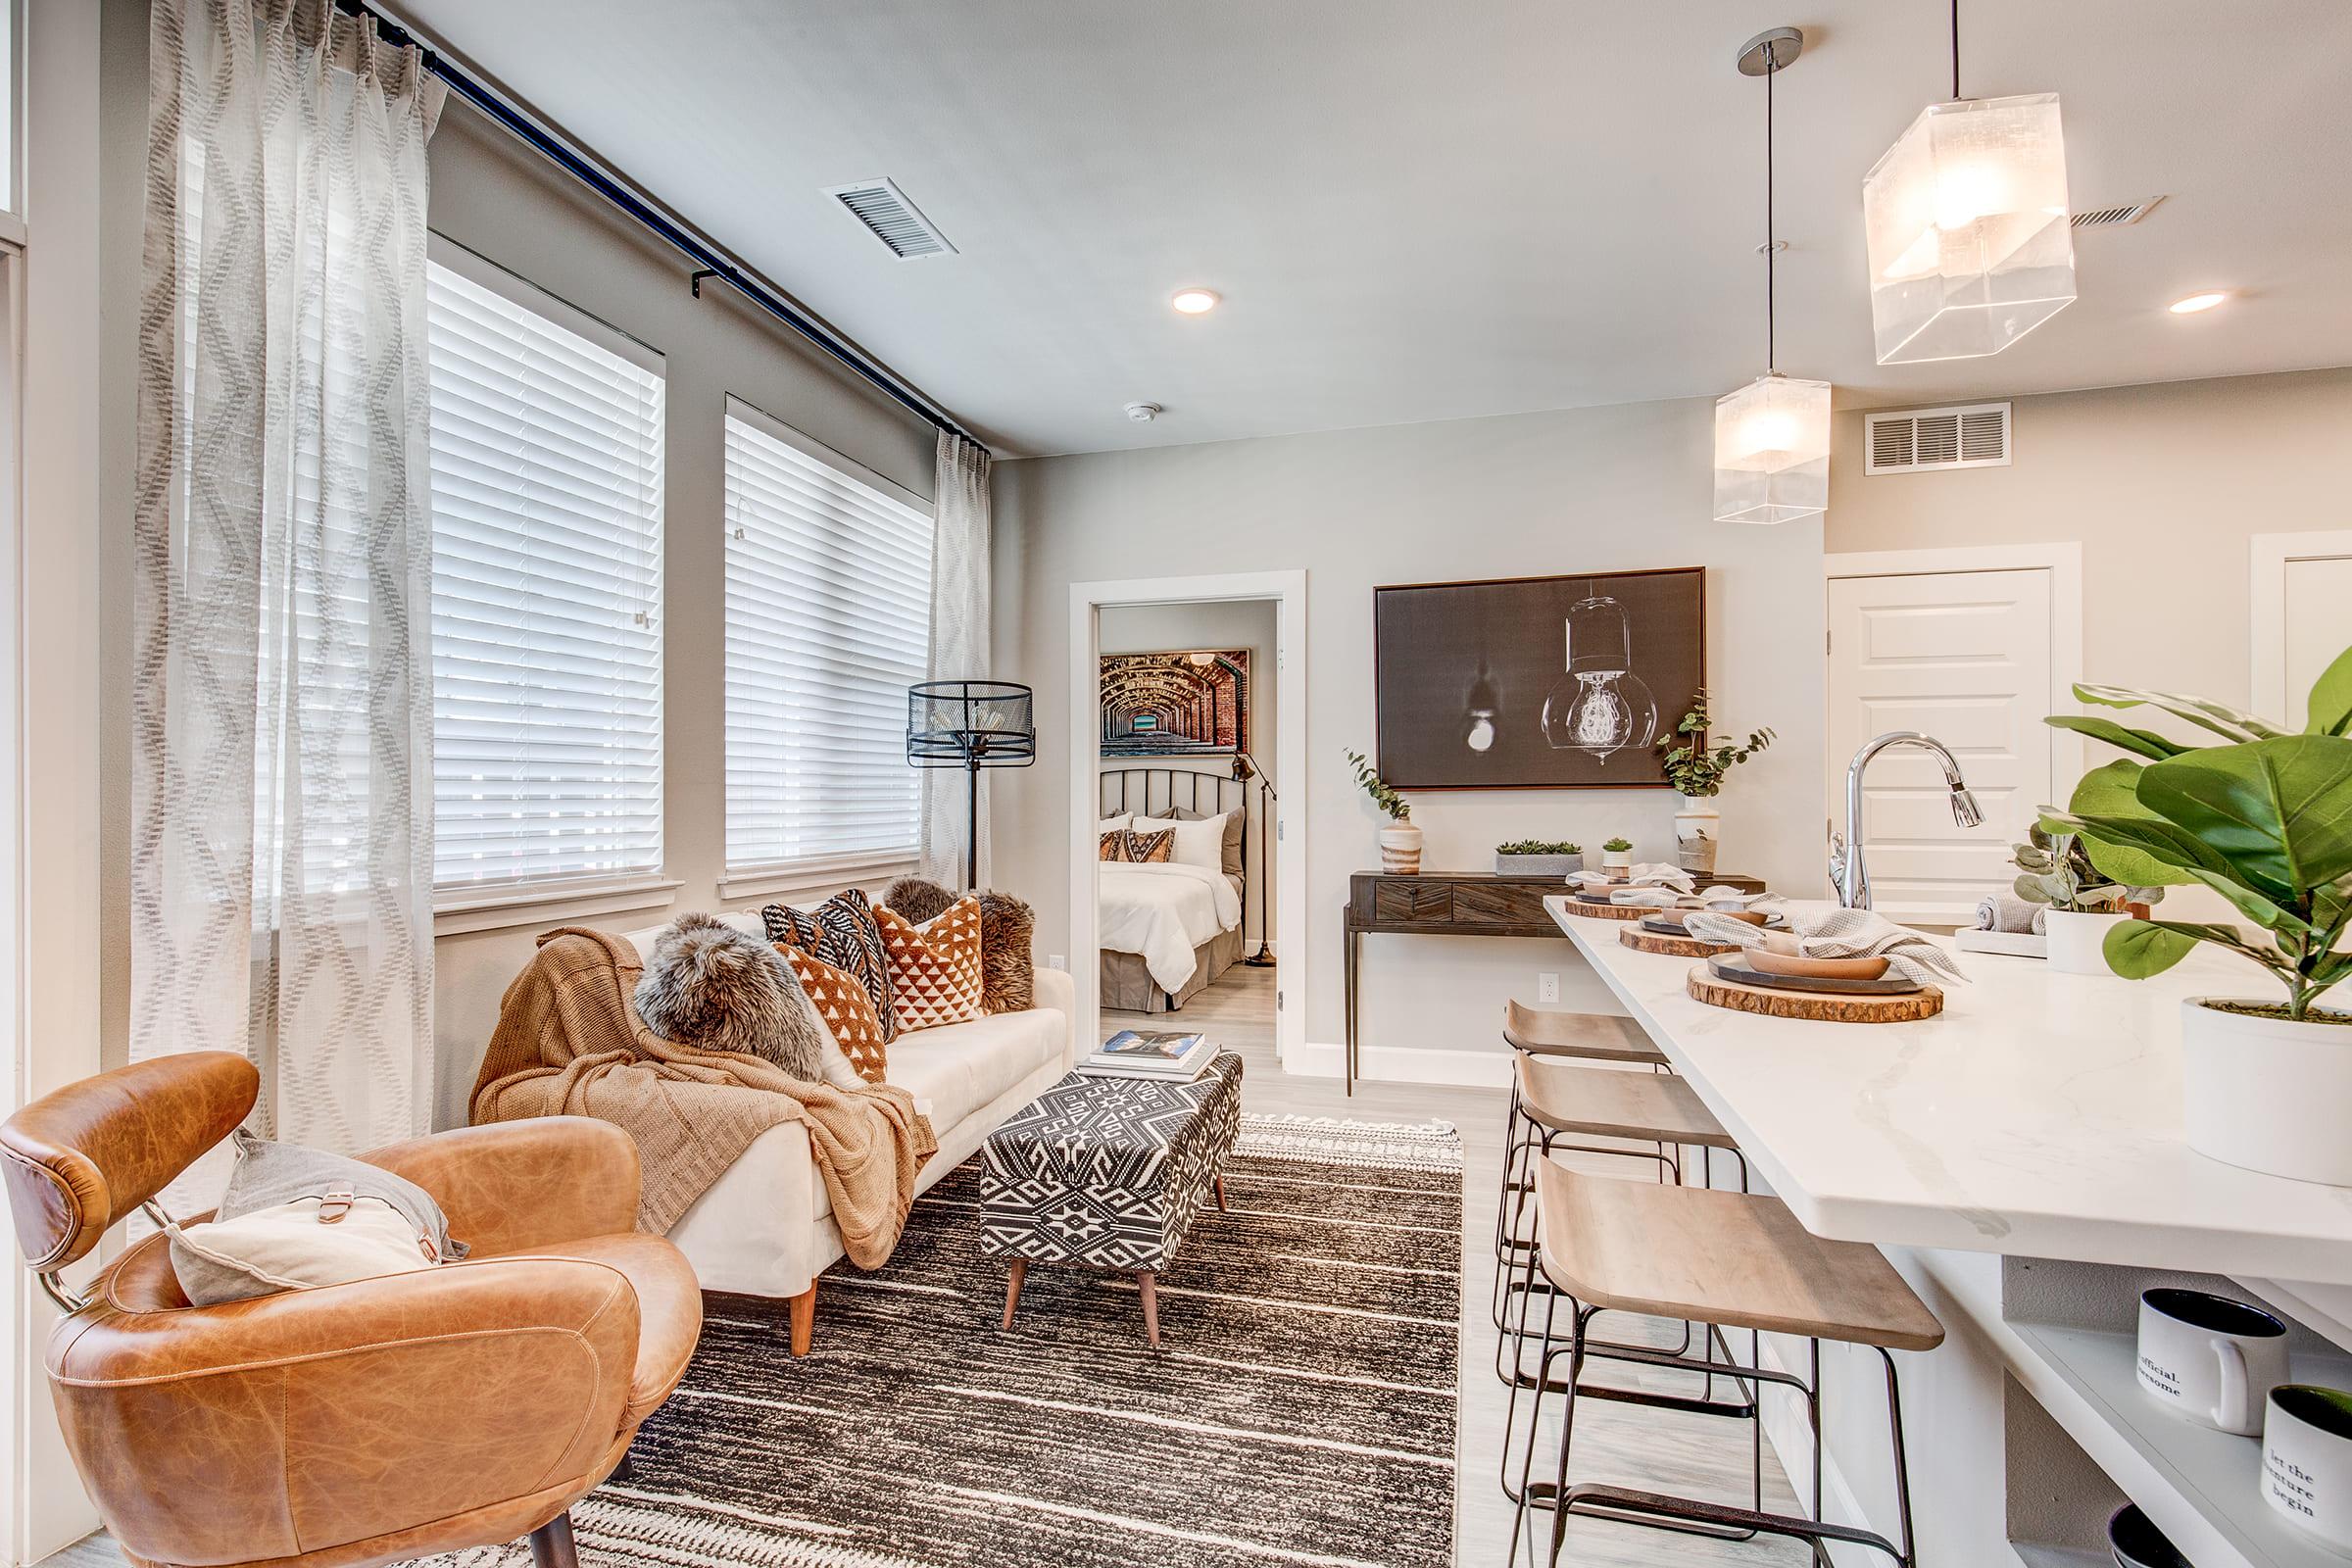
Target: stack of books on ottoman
x,y
1175,1055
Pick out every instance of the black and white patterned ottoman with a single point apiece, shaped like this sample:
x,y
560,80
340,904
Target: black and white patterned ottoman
x,y
1109,1173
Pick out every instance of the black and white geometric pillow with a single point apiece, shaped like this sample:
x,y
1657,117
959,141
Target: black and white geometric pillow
x,y
841,931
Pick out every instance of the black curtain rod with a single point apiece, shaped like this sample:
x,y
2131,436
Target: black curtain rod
x,y
704,254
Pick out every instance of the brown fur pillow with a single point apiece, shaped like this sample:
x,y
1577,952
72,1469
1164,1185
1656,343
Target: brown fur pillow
x,y
1007,971
1007,927
918,900
711,986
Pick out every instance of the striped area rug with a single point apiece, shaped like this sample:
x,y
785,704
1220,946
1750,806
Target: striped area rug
x,y
1301,1411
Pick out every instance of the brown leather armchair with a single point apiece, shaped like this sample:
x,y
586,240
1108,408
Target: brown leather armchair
x,y
351,1424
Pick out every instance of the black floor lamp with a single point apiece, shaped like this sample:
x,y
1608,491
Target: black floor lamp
x,y
1244,766
970,724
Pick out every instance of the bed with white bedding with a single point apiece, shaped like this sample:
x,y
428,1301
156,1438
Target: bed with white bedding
x,y
1166,930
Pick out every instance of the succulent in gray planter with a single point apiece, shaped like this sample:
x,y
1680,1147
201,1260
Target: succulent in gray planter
x,y
1538,857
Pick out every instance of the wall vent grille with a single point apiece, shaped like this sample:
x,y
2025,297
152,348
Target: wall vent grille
x,y
892,219
1974,435
2115,217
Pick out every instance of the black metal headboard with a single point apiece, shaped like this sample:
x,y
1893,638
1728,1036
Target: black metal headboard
x,y
1161,791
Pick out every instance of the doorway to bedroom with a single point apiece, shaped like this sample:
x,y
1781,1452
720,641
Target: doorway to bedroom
x,y
1181,752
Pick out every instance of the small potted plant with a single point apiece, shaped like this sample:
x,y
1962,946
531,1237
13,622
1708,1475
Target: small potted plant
x,y
1697,771
1399,841
2264,819
1617,854
1538,857
2082,903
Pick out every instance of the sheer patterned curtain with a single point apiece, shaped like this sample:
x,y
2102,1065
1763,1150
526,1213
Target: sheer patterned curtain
x,y
281,875
958,641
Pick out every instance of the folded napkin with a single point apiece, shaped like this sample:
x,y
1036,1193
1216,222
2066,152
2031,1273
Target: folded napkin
x,y
1648,898
1844,934
1648,875
1720,897
2006,911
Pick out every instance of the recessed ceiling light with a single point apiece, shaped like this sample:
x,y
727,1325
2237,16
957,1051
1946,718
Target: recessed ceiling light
x,y
1195,301
2200,302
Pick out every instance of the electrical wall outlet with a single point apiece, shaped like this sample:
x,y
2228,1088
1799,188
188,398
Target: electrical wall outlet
x,y
1054,961
1547,986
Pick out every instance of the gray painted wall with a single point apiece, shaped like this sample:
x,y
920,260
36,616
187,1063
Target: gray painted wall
x,y
1582,490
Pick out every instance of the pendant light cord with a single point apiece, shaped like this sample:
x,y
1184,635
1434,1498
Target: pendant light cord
x,y
1955,51
1772,249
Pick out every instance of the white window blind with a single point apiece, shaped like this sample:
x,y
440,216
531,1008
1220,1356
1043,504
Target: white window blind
x,y
547,465
828,623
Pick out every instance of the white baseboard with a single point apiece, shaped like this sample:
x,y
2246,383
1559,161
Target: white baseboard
x,y
1404,1064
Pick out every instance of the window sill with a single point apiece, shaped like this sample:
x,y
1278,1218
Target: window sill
x,y
823,876
458,911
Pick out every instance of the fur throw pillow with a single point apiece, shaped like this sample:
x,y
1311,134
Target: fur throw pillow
x,y
713,987
918,900
1007,971
1007,928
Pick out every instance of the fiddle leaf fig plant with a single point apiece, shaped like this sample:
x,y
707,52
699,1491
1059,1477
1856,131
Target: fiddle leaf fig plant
x,y
2264,819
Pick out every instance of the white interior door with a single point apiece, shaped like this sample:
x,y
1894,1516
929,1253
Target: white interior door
x,y
2317,625
1964,657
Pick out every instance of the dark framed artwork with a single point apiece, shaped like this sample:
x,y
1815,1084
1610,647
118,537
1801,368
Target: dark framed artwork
x,y
1191,702
1535,682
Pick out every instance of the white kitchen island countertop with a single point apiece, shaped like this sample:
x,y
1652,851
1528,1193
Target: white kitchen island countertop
x,y
2038,1115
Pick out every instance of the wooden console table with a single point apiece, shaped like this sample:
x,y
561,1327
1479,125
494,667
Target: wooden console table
x,y
1453,904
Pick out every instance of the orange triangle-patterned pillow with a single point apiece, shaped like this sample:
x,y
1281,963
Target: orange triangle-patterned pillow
x,y
849,1013
935,966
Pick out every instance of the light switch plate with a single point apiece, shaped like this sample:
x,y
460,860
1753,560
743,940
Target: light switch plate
x,y
1055,961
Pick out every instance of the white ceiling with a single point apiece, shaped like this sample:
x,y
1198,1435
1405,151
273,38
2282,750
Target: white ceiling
x,y
1428,210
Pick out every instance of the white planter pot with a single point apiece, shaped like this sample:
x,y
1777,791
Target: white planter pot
x,y
1697,827
2268,1093
1616,860
1401,850
2076,940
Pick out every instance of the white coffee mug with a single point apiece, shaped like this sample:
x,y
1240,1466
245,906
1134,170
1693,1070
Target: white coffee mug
x,y
2307,1460
2208,1359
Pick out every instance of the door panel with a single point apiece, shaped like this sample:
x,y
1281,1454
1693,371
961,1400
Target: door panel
x,y
1964,657
2319,625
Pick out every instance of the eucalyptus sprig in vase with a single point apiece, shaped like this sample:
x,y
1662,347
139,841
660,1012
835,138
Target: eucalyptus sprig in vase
x,y
1401,840
1697,771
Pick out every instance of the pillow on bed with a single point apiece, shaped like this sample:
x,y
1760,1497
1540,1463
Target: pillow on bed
x,y
1154,848
1111,845
1115,824
1200,843
1233,836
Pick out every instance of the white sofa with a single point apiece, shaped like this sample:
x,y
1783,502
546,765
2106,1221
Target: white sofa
x,y
766,1227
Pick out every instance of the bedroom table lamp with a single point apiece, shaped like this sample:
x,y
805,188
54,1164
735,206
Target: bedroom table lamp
x,y
970,724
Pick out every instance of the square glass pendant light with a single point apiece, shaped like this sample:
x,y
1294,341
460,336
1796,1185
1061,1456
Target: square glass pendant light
x,y
1971,242
1772,451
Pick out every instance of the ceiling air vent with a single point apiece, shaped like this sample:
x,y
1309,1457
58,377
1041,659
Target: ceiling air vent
x,y
1974,435
892,219
2115,217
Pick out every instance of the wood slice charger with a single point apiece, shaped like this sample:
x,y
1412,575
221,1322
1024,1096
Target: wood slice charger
x,y
1603,909
1641,941
1820,1006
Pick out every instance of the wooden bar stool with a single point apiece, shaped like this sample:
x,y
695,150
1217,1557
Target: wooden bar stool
x,y
1557,1104
1537,1032
1732,1260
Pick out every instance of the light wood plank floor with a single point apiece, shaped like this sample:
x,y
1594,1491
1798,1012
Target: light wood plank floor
x,y
1622,1443
1614,1443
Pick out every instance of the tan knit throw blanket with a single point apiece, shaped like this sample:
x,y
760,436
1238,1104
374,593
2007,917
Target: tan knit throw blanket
x,y
569,1043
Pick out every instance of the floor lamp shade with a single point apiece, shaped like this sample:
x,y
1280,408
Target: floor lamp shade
x,y
1971,245
1772,451
970,724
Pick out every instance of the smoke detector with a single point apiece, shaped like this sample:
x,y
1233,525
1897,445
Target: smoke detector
x,y
1144,412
